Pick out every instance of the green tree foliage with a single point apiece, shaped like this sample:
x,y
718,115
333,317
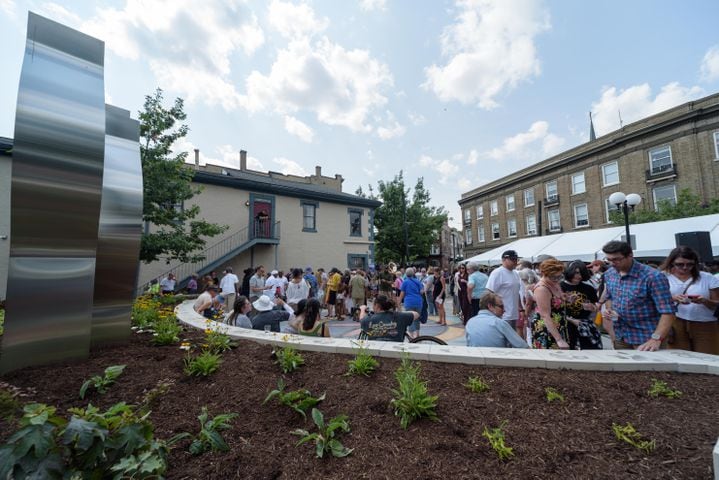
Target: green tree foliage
x,y
423,221
687,205
179,234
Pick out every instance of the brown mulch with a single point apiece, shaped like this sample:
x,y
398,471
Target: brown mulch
x,y
573,439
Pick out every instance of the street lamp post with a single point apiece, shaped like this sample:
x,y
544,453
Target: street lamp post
x,y
625,202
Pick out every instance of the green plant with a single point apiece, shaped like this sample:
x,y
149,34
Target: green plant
x,y
299,400
166,331
627,433
217,341
496,440
412,401
324,438
288,359
2,321
9,405
476,385
660,388
100,383
203,364
209,437
362,364
552,395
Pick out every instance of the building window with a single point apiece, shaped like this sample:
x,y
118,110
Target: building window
x,y
554,223
578,183
531,224
468,236
480,233
511,228
610,207
529,197
309,216
434,249
495,231
356,262
660,160
552,193
581,215
665,192
610,174
355,222
467,216
480,212
493,208
510,203
716,145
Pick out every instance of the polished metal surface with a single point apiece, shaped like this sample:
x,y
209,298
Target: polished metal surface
x,y
118,246
57,168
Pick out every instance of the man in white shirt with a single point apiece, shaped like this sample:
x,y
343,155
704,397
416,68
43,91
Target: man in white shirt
x,y
274,285
257,283
228,287
504,281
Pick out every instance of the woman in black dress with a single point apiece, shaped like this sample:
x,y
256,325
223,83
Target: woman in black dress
x,y
581,308
439,294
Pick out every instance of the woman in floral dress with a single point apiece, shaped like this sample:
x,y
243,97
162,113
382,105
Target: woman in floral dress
x,y
549,326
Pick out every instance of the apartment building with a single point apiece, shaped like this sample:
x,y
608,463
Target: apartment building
x,y
655,157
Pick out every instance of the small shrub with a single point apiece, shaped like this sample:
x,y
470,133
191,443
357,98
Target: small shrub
x,y
151,396
660,388
496,440
412,401
362,364
627,433
145,312
166,331
299,400
552,395
209,437
101,383
289,359
324,438
9,406
217,342
202,365
476,385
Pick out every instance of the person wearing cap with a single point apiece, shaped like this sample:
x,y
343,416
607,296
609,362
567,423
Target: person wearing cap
x,y
504,281
268,315
205,304
274,285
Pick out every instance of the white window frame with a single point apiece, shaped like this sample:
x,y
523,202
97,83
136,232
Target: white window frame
x,y
510,208
468,236
651,163
480,233
575,184
434,250
654,194
608,208
576,215
493,208
604,174
533,230
499,233
511,221
549,220
467,215
716,145
531,190
480,212
556,190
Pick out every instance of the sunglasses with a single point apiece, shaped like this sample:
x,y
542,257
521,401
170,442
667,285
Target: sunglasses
x,y
683,265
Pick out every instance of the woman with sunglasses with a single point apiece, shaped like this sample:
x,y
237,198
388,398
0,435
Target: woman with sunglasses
x,y
549,324
696,295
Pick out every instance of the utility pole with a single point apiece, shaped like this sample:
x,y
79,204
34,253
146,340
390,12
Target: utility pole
x,y
405,257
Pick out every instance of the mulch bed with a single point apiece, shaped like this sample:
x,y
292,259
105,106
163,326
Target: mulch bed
x,y
571,439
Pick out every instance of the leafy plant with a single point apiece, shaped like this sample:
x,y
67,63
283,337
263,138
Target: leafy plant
x,y
627,433
412,401
660,388
209,437
324,438
203,364
217,342
299,400
166,331
101,383
552,395
9,405
362,364
476,385
289,359
496,440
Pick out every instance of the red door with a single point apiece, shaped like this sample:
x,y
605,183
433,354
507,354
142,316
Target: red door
x,y
262,215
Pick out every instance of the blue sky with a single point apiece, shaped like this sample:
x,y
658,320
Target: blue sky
x,y
458,92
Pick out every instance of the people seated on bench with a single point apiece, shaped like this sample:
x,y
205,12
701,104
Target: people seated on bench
x,y
238,316
385,323
487,329
206,304
268,315
307,319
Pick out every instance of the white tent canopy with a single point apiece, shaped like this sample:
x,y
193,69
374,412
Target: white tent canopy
x,y
654,239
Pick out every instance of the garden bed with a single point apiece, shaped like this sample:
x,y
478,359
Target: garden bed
x,y
573,438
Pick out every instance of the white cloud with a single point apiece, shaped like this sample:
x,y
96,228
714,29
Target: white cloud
x,y
369,5
58,13
535,143
416,118
489,49
637,102
464,183
225,156
392,129
473,157
709,70
299,129
295,21
8,6
290,167
445,168
371,171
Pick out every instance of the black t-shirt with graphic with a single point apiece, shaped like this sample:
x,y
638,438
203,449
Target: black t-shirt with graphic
x,y
583,293
387,326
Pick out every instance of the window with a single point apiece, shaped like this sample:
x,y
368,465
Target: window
x,y
531,222
581,215
665,192
356,262
551,188
468,236
434,249
495,231
610,207
716,145
511,227
480,233
355,222
510,203
467,215
309,216
493,209
480,212
578,183
554,222
529,197
610,174
660,160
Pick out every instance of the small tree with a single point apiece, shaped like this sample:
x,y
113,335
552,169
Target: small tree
x,y
167,183
687,205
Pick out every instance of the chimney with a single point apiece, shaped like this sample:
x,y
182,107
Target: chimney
x,y
197,158
318,171
243,160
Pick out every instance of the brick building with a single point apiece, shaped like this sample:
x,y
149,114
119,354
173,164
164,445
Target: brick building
x,y
656,157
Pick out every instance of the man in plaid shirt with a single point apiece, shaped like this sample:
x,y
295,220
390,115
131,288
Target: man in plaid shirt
x,y
639,308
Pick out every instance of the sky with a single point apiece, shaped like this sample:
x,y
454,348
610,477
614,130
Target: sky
x,y
457,92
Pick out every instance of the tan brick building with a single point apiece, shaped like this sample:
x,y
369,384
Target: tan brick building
x,y
655,157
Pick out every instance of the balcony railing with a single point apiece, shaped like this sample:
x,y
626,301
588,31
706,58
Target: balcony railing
x,y
660,172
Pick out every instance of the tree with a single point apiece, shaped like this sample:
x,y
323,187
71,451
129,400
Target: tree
x,y
687,205
423,222
167,182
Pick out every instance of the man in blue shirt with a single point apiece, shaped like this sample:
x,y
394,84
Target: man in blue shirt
x,y
476,285
487,329
411,297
